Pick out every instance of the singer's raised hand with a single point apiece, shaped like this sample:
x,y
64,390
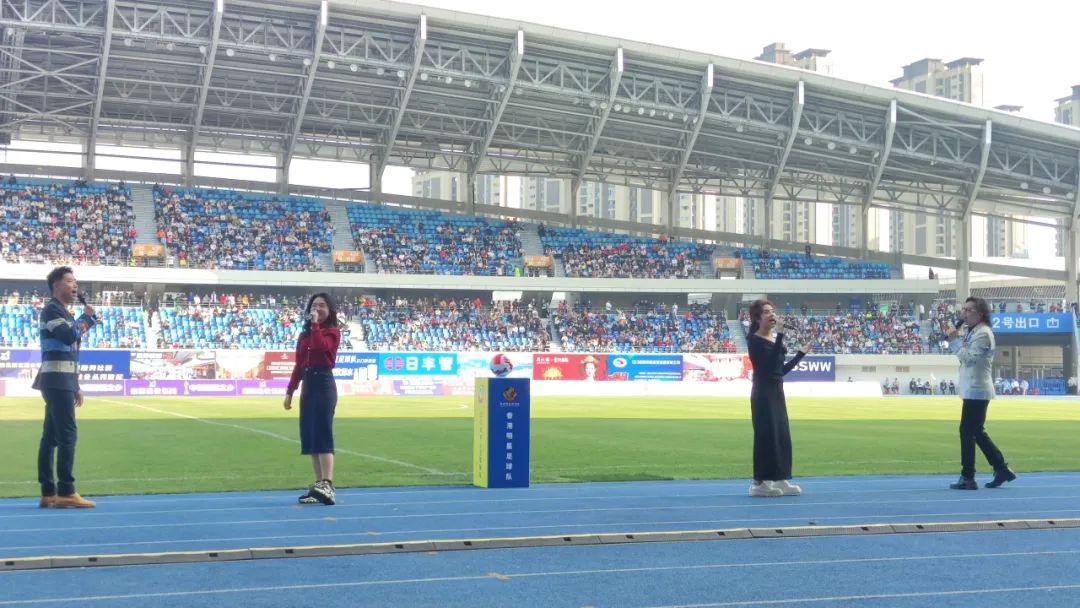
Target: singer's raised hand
x,y
806,348
313,318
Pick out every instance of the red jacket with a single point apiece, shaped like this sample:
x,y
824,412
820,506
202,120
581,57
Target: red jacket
x,y
316,348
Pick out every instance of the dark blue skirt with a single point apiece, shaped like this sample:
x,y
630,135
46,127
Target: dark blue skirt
x,y
318,400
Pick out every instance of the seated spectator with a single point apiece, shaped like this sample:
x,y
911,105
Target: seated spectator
x,y
450,324
229,322
870,332
429,242
648,327
225,230
61,223
605,255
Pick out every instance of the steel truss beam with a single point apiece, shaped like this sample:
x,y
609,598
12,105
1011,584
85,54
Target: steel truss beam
x,y
204,87
301,107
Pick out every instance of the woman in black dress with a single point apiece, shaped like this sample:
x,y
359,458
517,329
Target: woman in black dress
x,y
768,409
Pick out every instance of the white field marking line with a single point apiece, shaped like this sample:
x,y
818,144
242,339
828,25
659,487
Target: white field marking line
x,y
399,463
877,596
576,499
983,514
558,573
622,528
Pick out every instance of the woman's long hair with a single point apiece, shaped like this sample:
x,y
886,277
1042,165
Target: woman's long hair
x,y
982,307
331,317
757,308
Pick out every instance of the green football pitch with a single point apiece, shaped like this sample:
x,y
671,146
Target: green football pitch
x,y
157,445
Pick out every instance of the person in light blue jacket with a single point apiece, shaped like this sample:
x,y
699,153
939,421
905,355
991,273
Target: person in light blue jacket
x,y
973,342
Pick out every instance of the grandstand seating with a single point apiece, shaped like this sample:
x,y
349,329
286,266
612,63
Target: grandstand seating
x,y
868,333
119,327
649,327
451,325
789,265
228,230
605,255
430,242
212,325
68,222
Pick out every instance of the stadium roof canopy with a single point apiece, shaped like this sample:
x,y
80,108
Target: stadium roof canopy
x,y
396,84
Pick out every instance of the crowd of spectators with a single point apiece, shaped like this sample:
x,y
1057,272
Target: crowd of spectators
x,y
222,229
428,242
647,327
65,223
604,256
865,332
452,324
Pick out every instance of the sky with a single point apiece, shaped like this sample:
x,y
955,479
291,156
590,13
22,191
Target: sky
x,y
1030,54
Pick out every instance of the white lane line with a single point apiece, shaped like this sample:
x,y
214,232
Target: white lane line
x,y
345,505
568,573
876,596
818,520
399,463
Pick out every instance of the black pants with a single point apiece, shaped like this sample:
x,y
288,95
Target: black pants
x,y
971,433
58,437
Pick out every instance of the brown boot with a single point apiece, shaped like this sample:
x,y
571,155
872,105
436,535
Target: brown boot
x,y
47,502
73,501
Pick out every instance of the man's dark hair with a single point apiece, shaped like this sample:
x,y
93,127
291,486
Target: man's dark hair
x,y
57,275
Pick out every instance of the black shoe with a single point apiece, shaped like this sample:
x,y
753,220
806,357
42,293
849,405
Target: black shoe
x,y
1000,477
307,498
323,491
964,483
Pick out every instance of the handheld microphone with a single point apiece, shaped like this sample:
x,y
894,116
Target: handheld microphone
x,y
959,323
82,298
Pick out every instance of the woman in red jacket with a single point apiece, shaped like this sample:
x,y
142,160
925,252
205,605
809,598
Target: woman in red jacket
x,y
316,351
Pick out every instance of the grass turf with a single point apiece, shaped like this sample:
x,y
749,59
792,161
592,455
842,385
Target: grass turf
x,y
154,445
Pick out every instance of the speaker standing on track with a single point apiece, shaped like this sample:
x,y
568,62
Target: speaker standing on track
x,y
768,407
316,352
973,342
58,381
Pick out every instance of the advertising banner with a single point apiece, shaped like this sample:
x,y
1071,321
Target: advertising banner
x,y
813,368
418,364
259,388
102,388
170,364
569,366
356,366
19,363
104,365
645,367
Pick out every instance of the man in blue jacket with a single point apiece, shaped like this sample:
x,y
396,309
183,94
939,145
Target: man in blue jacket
x,y
58,381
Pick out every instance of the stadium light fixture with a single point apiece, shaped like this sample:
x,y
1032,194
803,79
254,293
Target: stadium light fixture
x,y
449,80
272,57
307,60
202,50
380,71
353,67
231,52
593,104
652,113
170,46
330,64
423,76
1023,185
128,42
853,150
808,141
468,83
641,111
739,128
671,116
401,73
1046,189
831,145
618,107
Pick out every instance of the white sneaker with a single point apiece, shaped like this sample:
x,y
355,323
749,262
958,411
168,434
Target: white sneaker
x,y
786,487
765,488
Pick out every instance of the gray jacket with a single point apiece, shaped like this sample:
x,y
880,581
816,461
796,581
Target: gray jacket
x,y
975,350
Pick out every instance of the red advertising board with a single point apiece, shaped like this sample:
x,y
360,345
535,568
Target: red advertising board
x,y
563,366
277,364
